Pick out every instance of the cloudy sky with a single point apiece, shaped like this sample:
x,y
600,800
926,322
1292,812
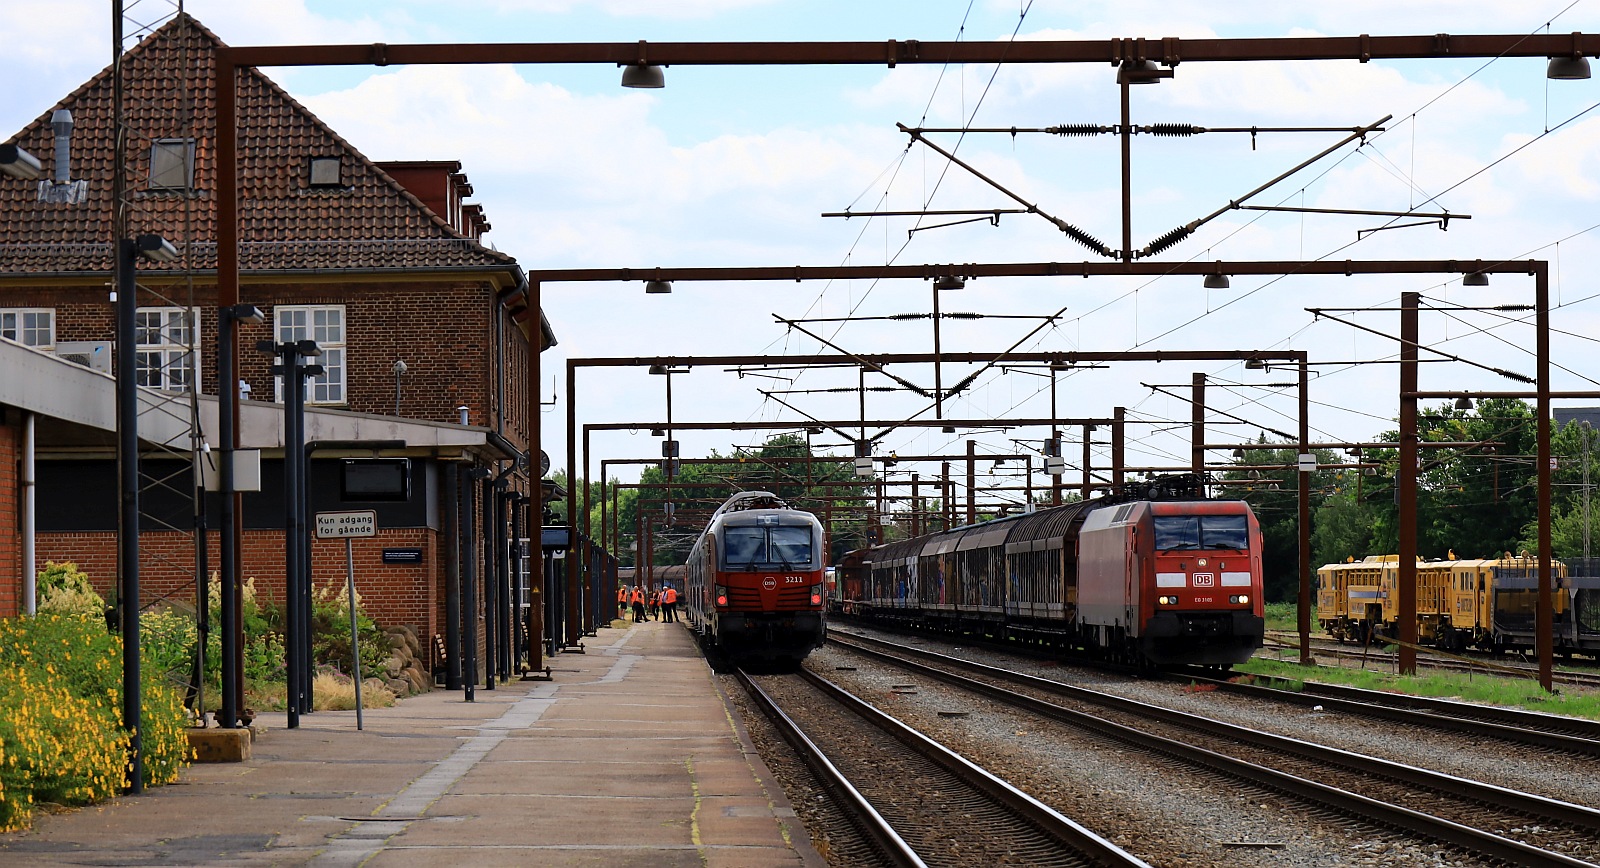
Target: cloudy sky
x,y
733,166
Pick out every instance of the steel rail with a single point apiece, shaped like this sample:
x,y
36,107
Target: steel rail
x,y
867,818
1428,713
1416,822
1048,820
1508,724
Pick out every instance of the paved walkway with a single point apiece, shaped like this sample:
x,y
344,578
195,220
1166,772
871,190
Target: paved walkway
x,y
629,756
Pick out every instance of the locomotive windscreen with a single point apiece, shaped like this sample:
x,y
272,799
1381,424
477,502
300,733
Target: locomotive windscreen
x,y
1202,532
750,547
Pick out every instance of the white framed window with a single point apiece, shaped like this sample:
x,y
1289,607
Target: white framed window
x,y
323,323
166,340
30,326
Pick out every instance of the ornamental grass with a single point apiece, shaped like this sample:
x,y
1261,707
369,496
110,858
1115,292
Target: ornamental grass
x,y
61,733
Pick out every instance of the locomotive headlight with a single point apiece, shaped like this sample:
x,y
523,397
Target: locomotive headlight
x,y
722,595
1167,601
1239,598
816,595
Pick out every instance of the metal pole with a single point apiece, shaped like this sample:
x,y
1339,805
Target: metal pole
x,y
938,381
469,589
491,598
1125,134
1119,427
128,492
1197,425
227,409
291,498
30,569
972,482
450,487
1055,435
1303,620
1545,617
1088,456
355,633
1407,482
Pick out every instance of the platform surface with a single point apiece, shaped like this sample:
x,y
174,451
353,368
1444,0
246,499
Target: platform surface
x,y
629,756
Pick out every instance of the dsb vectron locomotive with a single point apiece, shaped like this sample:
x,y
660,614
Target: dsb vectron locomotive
x,y
754,582
1154,576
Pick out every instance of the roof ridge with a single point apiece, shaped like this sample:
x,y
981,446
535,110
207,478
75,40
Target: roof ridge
x,y
276,128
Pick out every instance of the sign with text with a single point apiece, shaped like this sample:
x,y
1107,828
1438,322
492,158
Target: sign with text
x,y
402,556
338,525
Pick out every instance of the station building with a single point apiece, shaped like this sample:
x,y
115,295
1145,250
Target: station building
x,y
425,333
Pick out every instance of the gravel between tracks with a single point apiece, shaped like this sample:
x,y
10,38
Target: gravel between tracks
x,y
1167,814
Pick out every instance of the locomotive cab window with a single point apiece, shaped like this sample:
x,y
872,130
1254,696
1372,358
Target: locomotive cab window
x,y
1175,532
752,547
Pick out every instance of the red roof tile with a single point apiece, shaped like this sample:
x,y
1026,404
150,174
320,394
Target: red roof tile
x,y
285,224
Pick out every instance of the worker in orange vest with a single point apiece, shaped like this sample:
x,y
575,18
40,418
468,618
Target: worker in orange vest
x,y
622,600
669,603
638,604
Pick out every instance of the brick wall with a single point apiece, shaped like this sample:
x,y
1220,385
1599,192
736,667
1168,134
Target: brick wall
x,y
11,566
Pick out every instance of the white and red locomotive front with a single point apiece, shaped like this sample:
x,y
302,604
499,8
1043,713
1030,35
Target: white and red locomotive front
x,y
755,580
1172,582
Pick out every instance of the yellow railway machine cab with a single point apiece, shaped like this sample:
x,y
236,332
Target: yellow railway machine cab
x,y
1350,599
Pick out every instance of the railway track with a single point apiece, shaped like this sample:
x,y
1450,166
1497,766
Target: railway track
x,y
1585,677
919,802
1487,821
1554,732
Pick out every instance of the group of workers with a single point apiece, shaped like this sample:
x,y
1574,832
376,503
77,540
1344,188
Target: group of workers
x,y
662,604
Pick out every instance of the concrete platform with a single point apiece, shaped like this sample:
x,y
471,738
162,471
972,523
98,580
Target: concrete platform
x,y
629,756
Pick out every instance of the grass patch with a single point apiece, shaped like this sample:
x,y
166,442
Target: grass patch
x,y
1478,687
1283,617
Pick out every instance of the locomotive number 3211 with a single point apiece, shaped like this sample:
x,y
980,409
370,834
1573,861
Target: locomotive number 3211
x,y
794,580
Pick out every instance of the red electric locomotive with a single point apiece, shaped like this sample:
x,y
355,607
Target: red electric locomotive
x,y
754,587
1155,574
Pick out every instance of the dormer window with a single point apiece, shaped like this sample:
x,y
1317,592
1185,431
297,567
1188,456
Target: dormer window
x,y
324,172
172,164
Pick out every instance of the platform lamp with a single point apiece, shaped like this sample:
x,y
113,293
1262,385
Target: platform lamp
x,y
228,394
20,164
1573,67
129,250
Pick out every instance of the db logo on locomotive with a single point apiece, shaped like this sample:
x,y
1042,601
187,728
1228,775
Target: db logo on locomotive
x,y
769,582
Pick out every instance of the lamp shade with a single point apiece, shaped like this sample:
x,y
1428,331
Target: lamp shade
x,y
1573,68
950,281
1463,403
18,163
643,75
1476,278
1143,72
658,369
1217,281
658,287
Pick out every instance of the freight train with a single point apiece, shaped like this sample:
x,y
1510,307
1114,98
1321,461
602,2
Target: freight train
x,y
754,583
1154,575
1485,603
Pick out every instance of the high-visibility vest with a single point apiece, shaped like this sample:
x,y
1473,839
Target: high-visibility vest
x,y
669,596
638,596
622,595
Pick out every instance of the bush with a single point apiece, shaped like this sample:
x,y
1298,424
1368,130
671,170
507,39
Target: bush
x,y
66,590
330,632
60,716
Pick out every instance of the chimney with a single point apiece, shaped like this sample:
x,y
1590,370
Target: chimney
x,y
441,186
